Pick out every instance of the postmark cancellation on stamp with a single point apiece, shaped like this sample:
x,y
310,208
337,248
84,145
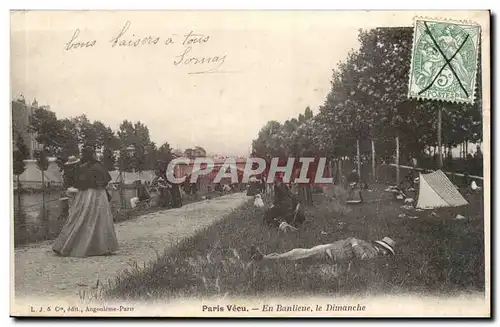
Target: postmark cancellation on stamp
x,y
444,60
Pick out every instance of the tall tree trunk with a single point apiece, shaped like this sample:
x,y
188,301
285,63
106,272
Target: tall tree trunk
x,y
340,171
397,160
20,216
358,157
309,200
123,202
330,168
45,220
374,163
440,155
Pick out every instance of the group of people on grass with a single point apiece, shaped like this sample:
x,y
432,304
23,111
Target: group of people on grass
x,y
90,231
286,211
169,193
89,228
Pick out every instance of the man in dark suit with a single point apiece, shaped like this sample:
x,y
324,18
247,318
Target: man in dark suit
x,y
285,206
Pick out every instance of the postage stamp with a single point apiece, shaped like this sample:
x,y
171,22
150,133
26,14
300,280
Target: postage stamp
x,y
444,60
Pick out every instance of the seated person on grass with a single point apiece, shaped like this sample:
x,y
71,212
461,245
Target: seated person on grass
x,y
165,199
346,249
285,207
142,192
354,186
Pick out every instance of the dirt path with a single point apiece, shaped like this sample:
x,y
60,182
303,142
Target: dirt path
x,y
38,272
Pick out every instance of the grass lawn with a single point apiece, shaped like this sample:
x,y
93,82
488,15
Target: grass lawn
x,y
437,255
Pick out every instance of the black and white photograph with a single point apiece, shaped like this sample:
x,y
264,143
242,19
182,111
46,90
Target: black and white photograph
x,y
250,163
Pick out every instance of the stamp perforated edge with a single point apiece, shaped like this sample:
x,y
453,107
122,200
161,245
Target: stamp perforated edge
x,y
478,58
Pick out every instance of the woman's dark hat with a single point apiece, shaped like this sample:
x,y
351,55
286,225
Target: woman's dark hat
x,y
88,150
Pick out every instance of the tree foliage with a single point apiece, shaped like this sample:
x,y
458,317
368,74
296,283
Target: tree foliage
x,y
46,127
368,100
68,142
124,160
165,153
108,159
42,159
20,154
64,137
287,139
129,148
135,136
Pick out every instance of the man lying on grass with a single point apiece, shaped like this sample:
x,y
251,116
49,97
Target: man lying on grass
x,y
346,249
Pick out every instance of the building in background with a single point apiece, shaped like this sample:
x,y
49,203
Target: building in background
x,y
21,118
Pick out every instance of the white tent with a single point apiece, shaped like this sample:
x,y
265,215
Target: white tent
x,y
437,191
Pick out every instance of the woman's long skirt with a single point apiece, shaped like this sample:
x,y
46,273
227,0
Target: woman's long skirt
x,y
89,230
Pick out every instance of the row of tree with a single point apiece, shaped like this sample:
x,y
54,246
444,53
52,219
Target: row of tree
x,y
129,148
368,101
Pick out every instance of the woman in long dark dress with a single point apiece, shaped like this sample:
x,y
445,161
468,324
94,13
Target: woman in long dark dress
x,y
89,230
176,195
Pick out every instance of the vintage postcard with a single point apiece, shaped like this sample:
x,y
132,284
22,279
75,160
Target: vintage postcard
x,y
250,164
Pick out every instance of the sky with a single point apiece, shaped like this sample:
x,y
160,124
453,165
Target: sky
x,y
275,66
261,66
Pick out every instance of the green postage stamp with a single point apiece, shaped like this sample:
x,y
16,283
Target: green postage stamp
x,y
444,61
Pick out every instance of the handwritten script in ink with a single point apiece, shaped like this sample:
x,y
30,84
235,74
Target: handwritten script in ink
x,y
190,55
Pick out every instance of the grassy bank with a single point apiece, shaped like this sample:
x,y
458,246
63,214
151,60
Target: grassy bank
x,y
433,254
